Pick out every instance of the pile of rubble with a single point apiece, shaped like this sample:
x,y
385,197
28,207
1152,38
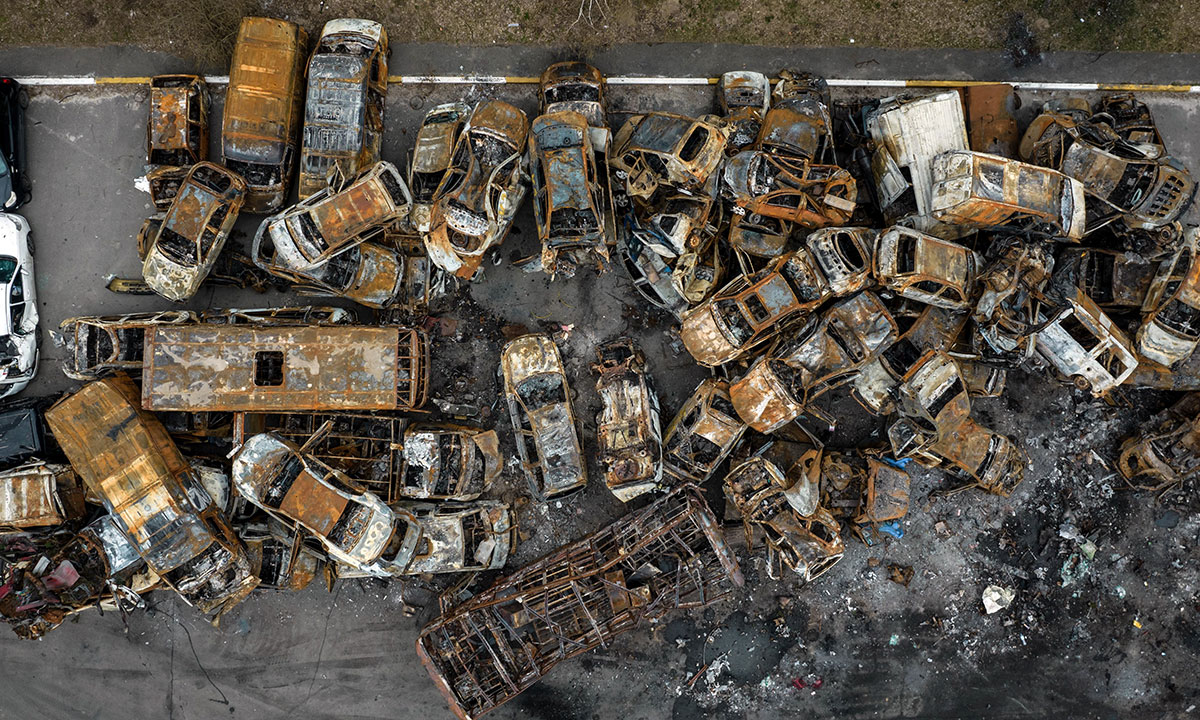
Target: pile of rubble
x,y
907,251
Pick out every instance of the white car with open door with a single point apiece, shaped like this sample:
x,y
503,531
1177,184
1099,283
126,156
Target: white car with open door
x,y
19,322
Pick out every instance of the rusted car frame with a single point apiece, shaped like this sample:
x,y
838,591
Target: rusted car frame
x,y
926,269
474,207
577,87
703,433
812,196
431,157
666,556
270,369
934,328
351,523
471,537
1115,280
628,432
307,242
797,123
750,309
743,97
570,206
186,244
665,149
1163,454
807,539
163,185
1170,329
344,104
125,457
987,191
1008,311
1139,183
540,409
279,556
394,458
177,132
811,359
1085,347
649,272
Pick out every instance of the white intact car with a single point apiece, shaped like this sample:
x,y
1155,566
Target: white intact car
x,y
19,320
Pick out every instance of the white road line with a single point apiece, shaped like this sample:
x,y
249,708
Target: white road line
x,y
83,80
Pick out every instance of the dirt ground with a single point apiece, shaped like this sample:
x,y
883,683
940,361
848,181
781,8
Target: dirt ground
x,y
203,30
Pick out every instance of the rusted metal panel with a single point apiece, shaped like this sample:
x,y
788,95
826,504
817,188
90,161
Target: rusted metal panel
x,y
126,458
252,369
991,127
743,97
177,132
193,232
344,103
540,408
577,87
908,133
496,645
30,495
627,426
262,114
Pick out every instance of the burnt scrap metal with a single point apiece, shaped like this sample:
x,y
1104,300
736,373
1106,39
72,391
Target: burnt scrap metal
x,y
395,458
539,406
177,132
39,494
125,457
667,556
478,197
343,109
185,244
248,368
627,428
571,207
702,434
263,109
1165,454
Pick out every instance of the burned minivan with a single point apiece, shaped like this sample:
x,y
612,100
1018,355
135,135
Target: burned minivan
x,y
539,406
125,457
263,107
343,111
249,368
186,243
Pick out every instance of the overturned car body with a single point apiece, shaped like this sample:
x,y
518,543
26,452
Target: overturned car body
x,y
666,556
627,428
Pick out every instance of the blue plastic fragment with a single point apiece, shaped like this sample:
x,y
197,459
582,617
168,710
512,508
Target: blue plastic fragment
x,y
902,463
892,528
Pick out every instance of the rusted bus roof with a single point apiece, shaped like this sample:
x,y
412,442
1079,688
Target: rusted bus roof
x,y
264,369
29,496
494,646
264,85
125,457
